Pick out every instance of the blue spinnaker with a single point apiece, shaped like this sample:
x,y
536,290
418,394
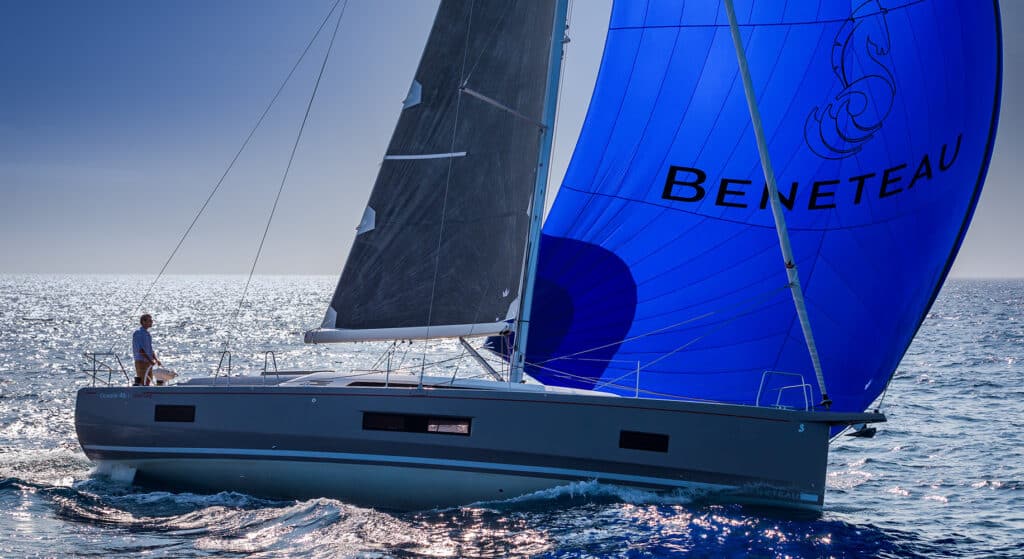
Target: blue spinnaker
x,y
660,260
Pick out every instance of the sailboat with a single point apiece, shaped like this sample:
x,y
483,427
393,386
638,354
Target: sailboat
x,y
763,203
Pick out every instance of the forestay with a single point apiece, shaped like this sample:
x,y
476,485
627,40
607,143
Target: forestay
x,y
660,258
439,250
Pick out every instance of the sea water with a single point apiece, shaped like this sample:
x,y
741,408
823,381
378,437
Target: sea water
x,y
943,478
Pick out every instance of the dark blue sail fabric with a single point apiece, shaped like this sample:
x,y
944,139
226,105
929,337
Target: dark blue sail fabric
x,y
660,268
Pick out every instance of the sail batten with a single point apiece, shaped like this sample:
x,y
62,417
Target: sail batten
x,y
414,156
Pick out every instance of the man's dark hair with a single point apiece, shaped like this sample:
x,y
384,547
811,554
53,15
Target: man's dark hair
x,y
144,317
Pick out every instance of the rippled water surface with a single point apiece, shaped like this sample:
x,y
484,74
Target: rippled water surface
x,y
944,478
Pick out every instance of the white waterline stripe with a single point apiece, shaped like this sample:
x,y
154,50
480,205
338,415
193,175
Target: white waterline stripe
x,y
425,156
584,474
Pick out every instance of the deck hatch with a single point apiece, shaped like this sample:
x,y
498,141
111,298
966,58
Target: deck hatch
x,y
637,440
411,423
178,414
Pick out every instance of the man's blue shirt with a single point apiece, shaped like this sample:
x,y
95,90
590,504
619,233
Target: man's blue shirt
x,y
142,340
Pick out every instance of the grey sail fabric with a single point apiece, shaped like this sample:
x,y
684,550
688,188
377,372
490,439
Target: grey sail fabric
x,y
441,243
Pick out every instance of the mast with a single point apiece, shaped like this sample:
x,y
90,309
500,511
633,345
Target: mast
x,y
540,188
773,195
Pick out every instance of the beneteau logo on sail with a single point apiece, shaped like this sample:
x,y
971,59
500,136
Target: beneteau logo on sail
x,y
690,184
861,66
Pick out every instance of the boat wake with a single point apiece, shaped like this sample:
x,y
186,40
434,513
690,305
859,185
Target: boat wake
x,y
594,491
589,517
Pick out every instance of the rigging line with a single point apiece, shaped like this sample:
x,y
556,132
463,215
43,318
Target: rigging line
x,y
284,178
492,37
878,407
414,366
595,360
447,184
479,306
355,373
725,323
761,296
641,367
405,354
615,381
494,102
632,388
384,355
458,363
234,159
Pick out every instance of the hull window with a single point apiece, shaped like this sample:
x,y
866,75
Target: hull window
x,y
179,414
409,423
636,440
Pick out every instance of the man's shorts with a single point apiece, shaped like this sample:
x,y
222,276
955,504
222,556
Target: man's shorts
x,y
140,371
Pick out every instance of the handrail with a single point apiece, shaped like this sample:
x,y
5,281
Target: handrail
x,y
220,365
387,375
99,366
805,388
272,357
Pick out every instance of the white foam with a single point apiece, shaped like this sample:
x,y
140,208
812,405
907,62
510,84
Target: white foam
x,y
594,489
115,472
228,499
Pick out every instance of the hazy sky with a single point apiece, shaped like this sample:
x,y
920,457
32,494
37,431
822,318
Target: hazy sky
x,y
117,118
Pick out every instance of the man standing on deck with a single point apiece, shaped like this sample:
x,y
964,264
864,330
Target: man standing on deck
x,y
142,351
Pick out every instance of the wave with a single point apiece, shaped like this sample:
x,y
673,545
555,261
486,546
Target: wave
x,y
588,491
581,519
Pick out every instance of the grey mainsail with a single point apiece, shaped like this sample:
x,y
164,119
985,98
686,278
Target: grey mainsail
x,y
439,249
